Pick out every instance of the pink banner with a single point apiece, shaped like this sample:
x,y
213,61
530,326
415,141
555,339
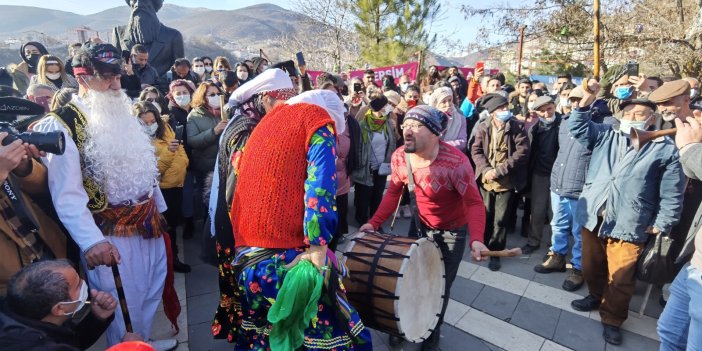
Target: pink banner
x,y
410,69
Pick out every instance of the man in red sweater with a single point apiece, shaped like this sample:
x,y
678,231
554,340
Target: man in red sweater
x,y
443,178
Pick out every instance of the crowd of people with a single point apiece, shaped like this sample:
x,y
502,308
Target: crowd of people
x,y
260,162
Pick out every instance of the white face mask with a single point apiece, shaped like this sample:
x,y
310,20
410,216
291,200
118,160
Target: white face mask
x,y
182,100
53,76
199,70
626,125
263,67
208,69
403,87
242,75
82,298
150,130
388,109
213,101
530,106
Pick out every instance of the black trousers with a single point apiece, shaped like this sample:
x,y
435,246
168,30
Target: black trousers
x,y
368,197
452,244
498,210
173,198
342,211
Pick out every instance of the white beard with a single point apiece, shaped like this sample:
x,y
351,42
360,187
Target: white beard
x,y
118,154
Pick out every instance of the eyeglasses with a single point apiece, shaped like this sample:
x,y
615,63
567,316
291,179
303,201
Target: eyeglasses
x,y
415,127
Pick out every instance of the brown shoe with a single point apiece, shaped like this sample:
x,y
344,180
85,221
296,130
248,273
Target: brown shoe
x,y
553,263
574,281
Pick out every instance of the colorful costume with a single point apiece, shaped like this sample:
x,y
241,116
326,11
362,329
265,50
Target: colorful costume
x,y
285,200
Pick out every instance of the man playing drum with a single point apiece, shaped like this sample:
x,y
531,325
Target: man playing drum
x,y
447,196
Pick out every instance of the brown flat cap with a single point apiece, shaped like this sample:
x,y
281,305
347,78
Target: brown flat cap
x,y
670,90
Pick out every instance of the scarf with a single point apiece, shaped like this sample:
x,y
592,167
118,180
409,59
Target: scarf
x,y
453,129
375,124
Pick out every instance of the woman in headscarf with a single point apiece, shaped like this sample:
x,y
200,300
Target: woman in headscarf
x,y
376,147
455,133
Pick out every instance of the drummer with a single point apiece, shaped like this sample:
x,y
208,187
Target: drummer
x,y
443,178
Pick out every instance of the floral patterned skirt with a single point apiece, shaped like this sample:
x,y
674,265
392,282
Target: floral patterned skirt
x,y
337,325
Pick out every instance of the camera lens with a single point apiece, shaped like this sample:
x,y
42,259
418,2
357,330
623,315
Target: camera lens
x,y
51,142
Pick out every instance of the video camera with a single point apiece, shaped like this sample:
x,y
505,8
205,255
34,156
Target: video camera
x,y
10,108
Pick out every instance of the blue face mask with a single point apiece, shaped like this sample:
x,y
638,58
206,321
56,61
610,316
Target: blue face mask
x,y
624,93
504,116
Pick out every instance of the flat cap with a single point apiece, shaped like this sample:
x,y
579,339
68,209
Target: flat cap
x,y
576,93
542,101
493,101
670,90
645,102
393,97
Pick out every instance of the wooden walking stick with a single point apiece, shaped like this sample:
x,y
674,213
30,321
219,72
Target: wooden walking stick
x,y
502,253
120,295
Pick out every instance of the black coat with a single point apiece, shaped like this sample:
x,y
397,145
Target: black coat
x,y
23,334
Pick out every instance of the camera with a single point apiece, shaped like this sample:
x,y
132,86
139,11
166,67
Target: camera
x,y
51,142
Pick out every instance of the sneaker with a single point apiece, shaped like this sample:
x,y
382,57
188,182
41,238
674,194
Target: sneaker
x,y
529,249
494,264
586,304
163,345
611,334
574,281
553,263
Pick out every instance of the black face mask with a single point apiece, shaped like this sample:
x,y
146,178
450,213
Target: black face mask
x,y
33,62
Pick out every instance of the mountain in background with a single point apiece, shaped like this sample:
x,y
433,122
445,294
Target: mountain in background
x,y
236,33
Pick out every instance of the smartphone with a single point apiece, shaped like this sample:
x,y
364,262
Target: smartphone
x,y
632,69
357,87
300,59
480,65
179,132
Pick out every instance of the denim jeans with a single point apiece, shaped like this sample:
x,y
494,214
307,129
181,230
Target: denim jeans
x,y
563,225
680,324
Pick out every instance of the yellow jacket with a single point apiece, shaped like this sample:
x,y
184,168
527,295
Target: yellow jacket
x,y
171,165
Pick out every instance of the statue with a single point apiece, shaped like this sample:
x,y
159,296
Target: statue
x,y
165,44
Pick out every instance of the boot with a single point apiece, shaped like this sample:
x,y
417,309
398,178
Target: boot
x,y
553,263
494,264
611,334
574,281
586,304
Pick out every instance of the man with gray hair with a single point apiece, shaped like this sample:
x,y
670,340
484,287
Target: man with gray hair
x,y
47,308
40,94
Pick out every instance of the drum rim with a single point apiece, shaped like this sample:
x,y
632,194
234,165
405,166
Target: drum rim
x,y
400,281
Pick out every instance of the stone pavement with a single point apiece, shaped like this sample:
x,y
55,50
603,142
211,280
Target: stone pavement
x,y
513,309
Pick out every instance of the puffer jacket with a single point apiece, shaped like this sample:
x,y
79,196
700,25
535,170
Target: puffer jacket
x,y
202,138
171,165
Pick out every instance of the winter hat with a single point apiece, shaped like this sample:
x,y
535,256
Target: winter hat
x,y
440,94
493,101
432,118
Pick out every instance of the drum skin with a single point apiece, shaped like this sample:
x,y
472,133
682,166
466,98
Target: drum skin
x,y
396,283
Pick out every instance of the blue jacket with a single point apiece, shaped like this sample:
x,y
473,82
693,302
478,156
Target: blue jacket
x,y
568,173
635,189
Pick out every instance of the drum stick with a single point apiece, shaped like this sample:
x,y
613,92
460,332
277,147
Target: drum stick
x,y
397,209
120,295
502,253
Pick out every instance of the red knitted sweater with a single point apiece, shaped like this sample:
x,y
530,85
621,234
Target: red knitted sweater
x,y
269,200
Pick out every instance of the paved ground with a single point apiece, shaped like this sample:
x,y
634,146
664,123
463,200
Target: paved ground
x,y
513,309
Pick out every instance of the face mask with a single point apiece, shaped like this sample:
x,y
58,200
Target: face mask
x,y
626,125
182,100
530,106
213,101
33,60
263,67
208,69
43,101
53,76
199,70
388,109
694,93
411,103
222,70
242,75
150,130
623,93
82,298
504,116
403,87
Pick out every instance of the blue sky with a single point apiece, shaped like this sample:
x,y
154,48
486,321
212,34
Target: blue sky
x,y
451,25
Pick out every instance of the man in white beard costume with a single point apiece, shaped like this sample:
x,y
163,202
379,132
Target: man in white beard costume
x,y
106,192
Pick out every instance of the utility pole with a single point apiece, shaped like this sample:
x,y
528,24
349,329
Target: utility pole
x,y
521,50
596,31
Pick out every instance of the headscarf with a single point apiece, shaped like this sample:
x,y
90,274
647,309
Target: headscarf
x,y
453,129
327,100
